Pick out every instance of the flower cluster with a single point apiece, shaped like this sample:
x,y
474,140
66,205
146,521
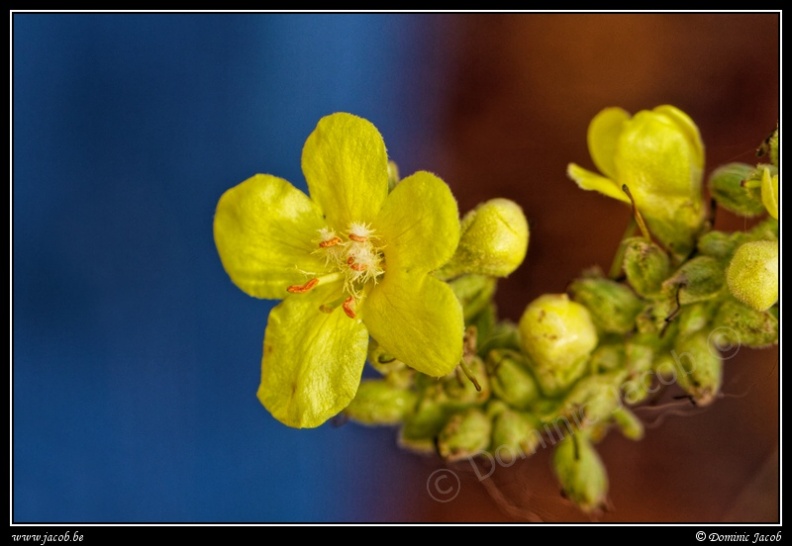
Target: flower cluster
x,y
372,267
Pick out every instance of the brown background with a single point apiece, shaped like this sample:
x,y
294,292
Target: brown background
x,y
526,87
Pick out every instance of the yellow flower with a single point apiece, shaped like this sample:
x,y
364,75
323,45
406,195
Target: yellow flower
x,y
351,261
658,155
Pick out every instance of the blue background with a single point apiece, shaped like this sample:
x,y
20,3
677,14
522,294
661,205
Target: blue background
x,y
135,360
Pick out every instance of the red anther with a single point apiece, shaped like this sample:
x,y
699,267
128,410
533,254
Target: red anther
x,y
302,289
330,242
358,238
356,266
347,307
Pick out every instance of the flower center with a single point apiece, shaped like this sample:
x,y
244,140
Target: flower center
x,y
355,257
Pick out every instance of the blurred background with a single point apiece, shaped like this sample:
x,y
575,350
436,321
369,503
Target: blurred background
x,y
136,361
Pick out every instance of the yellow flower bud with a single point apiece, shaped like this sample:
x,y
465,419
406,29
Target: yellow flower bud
x,y
494,241
752,276
559,335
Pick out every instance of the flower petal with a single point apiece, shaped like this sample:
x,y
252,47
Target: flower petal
x,y
588,180
603,134
312,360
688,127
419,223
417,319
265,231
346,167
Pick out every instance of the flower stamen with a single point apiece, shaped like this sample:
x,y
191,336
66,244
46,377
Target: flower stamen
x,y
302,288
356,266
330,242
347,306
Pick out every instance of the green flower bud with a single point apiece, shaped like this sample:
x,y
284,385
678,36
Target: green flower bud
x,y
465,435
559,335
613,306
377,402
737,324
652,320
753,274
511,380
699,367
461,391
593,399
628,423
494,240
640,354
693,318
717,244
727,187
423,425
646,265
474,292
514,434
607,357
699,279
580,472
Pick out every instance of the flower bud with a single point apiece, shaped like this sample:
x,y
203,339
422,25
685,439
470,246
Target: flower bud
x,y
699,368
494,240
515,434
628,423
613,306
699,279
580,472
559,335
753,274
465,435
593,399
607,357
640,354
646,265
377,402
727,187
717,244
422,426
461,391
511,380
737,324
